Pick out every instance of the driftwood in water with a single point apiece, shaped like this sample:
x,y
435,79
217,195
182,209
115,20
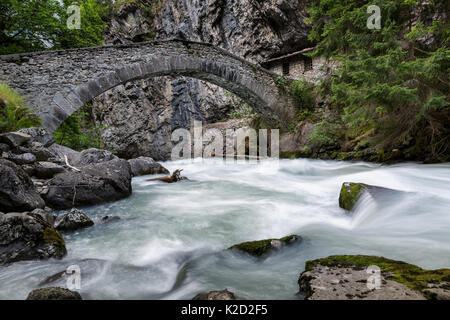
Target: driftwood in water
x,y
175,177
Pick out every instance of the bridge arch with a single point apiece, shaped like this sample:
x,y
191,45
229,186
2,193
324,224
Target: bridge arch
x,y
57,83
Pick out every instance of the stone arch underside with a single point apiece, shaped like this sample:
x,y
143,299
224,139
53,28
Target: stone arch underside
x,y
57,83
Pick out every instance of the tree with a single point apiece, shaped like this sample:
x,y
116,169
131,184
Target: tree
x,y
31,25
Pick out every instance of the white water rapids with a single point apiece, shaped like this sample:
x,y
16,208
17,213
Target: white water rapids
x,y
170,241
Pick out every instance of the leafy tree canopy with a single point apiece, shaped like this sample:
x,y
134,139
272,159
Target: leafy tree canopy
x,y
32,25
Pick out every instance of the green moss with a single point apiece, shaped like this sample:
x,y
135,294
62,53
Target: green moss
x,y
410,275
50,235
259,248
350,193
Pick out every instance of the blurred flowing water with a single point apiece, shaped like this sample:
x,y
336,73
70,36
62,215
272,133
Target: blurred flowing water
x,y
170,241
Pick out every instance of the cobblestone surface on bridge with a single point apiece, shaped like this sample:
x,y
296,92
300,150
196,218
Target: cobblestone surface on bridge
x,y
58,83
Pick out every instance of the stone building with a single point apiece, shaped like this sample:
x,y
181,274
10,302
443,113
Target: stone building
x,y
298,65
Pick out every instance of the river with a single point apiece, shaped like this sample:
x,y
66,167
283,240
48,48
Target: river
x,y
170,240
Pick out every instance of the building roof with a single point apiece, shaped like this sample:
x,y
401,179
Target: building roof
x,y
287,56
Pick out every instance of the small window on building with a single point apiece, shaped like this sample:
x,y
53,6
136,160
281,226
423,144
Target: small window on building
x,y
286,69
308,64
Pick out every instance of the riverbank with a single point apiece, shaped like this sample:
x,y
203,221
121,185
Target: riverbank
x,y
171,240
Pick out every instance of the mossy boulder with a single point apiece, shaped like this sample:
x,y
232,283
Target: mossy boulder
x,y
262,247
400,280
53,293
350,194
27,236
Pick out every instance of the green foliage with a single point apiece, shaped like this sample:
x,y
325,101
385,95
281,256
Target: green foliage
x,y
325,133
14,114
381,82
79,132
303,91
241,110
34,25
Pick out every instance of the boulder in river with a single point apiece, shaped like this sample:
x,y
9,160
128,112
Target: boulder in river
x,y
371,278
216,295
352,191
53,293
73,220
25,236
94,184
144,165
262,247
17,192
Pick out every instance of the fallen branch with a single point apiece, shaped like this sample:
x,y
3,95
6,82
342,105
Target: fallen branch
x,y
71,167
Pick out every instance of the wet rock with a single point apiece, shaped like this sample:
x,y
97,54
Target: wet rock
x,y
94,184
73,220
17,192
351,192
25,236
53,293
92,156
21,159
216,295
262,247
107,219
14,139
46,170
45,215
40,135
144,165
89,267
369,278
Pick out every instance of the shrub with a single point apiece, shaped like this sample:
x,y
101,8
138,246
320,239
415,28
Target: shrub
x,y
14,114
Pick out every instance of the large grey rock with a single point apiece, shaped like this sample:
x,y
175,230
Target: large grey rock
x,y
25,236
358,277
53,293
144,165
59,152
40,135
14,139
17,192
46,170
96,183
20,159
92,156
73,220
39,151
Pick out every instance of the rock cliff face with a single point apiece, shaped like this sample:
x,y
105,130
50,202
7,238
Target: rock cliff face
x,y
140,117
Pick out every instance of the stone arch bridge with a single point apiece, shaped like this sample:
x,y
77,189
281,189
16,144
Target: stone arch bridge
x,y
57,83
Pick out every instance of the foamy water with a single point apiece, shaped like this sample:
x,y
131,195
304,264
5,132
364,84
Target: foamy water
x,y
170,241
